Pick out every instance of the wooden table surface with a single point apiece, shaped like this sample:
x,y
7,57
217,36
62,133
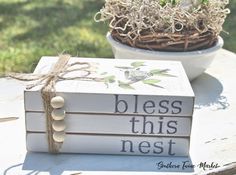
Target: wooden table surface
x,y
213,138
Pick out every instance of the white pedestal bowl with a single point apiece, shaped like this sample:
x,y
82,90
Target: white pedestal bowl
x,y
194,62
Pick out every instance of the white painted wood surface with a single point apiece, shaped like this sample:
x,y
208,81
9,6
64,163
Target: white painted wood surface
x,y
115,124
213,137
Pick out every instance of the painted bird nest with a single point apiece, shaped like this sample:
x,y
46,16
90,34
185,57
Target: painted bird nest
x,y
165,25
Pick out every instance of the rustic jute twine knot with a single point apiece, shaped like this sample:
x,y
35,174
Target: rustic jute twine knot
x,y
48,91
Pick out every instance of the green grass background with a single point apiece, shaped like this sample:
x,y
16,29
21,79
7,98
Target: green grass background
x,y
30,29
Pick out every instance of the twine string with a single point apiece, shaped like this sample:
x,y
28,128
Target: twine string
x,y
48,91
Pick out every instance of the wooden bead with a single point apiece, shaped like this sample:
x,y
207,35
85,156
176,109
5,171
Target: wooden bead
x,y
59,125
58,114
57,102
59,136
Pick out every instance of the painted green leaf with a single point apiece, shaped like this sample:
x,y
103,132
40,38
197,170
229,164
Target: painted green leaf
x,y
109,79
166,75
155,85
160,72
125,85
155,71
123,67
151,81
137,64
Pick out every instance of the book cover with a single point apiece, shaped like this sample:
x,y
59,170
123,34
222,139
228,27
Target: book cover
x,y
114,86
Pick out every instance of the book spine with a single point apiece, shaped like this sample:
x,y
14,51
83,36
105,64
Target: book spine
x,y
115,124
116,104
126,145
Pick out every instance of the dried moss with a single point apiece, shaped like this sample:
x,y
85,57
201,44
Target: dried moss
x,y
130,20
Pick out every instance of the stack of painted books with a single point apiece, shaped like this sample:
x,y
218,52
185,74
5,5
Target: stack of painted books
x,y
112,106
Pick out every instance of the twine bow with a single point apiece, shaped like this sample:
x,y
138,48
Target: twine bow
x,y
48,91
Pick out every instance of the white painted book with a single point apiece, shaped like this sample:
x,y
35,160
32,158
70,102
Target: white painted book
x,y
113,86
107,144
115,124
116,107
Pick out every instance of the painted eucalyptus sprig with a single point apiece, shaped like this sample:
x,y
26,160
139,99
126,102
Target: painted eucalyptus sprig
x,y
133,74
